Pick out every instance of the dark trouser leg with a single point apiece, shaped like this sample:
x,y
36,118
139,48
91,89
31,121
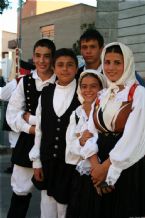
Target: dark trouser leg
x,y
9,169
19,206
12,164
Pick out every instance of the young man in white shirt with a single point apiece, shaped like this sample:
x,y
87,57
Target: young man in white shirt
x,y
91,44
48,154
5,94
21,118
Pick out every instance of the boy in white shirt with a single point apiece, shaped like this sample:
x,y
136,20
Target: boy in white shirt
x,y
48,154
21,118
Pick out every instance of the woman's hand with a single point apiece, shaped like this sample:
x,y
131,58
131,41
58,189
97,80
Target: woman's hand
x,y
103,188
99,173
38,174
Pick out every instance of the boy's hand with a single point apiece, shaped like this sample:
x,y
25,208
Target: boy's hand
x,y
38,174
26,116
32,130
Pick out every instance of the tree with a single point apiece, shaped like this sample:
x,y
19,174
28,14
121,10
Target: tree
x,y
4,4
83,27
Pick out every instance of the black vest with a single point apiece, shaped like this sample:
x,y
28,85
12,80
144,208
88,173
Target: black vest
x,y
53,142
80,70
26,141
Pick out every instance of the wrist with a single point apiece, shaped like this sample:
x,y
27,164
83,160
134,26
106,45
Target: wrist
x,y
106,164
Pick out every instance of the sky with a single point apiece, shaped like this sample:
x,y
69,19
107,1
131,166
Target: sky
x,y
8,20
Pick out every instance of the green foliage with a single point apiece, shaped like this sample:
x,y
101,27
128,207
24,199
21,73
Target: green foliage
x,y
76,47
86,26
83,27
3,5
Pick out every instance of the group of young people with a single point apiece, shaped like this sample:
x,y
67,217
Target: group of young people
x,y
78,142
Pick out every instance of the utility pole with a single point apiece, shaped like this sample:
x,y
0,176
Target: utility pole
x,y
19,37
20,29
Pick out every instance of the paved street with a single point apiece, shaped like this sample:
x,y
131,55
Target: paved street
x,y
5,190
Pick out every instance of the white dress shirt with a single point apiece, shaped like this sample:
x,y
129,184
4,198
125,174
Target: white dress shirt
x,y
5,94
6,91
16,106
99,69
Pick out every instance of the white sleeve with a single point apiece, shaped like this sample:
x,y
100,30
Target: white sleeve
x,y
34,154
16,109
72,154
131,146
90,148
32,120
7,90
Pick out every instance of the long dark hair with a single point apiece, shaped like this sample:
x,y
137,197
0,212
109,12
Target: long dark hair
x,y
114,48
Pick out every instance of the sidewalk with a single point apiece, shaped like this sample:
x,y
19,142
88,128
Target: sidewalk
x,y
5,188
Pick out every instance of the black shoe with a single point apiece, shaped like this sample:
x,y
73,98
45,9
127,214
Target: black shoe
x,y
9,170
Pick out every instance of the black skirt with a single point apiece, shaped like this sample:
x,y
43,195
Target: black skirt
x,y
57,179
125,201
128,198
84,200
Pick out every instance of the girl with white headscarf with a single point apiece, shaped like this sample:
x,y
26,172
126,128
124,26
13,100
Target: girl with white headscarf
x,y
81,146
120,121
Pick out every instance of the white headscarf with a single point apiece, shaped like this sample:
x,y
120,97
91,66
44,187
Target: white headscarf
x,y
100,76
128,76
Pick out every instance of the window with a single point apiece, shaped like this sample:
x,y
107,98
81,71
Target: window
x,y
47,32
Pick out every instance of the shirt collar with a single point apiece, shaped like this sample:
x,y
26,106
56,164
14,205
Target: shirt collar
x,y
71,84
99,69
50,80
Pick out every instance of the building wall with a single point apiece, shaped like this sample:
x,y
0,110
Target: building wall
x,y
131,30
106,19
29,8
124,21
67,22
4,38
7,36
35,7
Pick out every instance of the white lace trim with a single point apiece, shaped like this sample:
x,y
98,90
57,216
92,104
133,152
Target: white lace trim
x,y
83,167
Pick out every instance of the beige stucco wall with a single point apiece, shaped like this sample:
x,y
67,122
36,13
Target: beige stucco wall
x,y
7,36
4,38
